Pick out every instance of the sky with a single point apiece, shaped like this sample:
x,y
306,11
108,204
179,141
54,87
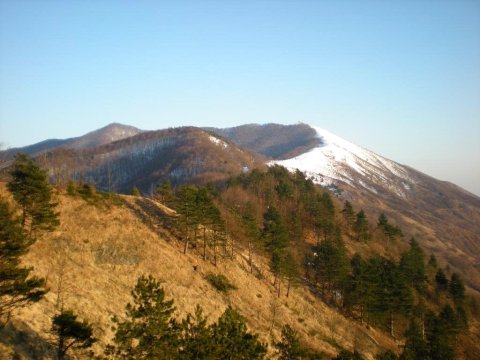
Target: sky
x,y
401,78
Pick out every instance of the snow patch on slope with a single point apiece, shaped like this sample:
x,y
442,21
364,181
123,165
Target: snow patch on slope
x,y
218,142
336,159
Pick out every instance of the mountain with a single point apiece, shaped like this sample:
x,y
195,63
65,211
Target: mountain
x,y
179,155
105,135
444,217
273,140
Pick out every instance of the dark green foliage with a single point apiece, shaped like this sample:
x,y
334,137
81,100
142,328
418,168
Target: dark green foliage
x,y
456,288
136,192
31,190
148,330
195,337
71,188
151,332
232,339
164,191
348,214
441,280
330,265
17,287
187,211
220,282
348,355
415,345
432,261
439,336
251,230
390,231
275,238
387,293
71,333
290,347
387,355
413,267
361,227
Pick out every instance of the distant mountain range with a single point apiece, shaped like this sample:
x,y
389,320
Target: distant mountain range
x,y
444,217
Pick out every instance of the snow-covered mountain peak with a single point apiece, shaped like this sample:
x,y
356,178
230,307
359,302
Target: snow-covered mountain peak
x,y
338,160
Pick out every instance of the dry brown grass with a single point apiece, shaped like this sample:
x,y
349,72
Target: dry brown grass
x,y
101,251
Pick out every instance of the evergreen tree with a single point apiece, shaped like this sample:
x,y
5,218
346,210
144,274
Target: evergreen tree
x,y
439,337
432,261
31,190
275,237
71,333
232,339
348,355
290,271
164,190
413,267
415,346
196,337
136,192
148,332
441,280
390,231
251,230
361,227
17,287
348,214
290,347
187,212
387,355
456,288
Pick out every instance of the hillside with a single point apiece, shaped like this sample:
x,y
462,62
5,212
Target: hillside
x,y
93,259
444,217
102,136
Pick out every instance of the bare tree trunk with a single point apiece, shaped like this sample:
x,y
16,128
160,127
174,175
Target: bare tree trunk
x,y
250,259
204,243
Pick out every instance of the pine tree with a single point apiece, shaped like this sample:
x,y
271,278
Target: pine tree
x,y
17,286
456,288
164,190
136,192
387,355
441,280
196,337
361,227
31,190
413,267
415,345
232,339
290,347
390,231
148,330
71,333
251,230
187,211
348,214
275,237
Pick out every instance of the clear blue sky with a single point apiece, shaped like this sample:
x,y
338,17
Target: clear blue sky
x,y
401,78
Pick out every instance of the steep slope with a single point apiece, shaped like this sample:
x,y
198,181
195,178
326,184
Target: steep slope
x,y
105,135
93,260
445,217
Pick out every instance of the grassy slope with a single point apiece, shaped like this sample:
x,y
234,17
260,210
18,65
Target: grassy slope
x,y
102,250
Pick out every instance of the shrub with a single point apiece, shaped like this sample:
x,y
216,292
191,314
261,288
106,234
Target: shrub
x,y
220,282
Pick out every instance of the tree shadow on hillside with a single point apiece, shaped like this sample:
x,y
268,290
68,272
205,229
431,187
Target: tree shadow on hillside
x,y
24,342
157,220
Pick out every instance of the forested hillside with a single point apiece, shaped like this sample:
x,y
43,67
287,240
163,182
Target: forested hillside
x,y
275,263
